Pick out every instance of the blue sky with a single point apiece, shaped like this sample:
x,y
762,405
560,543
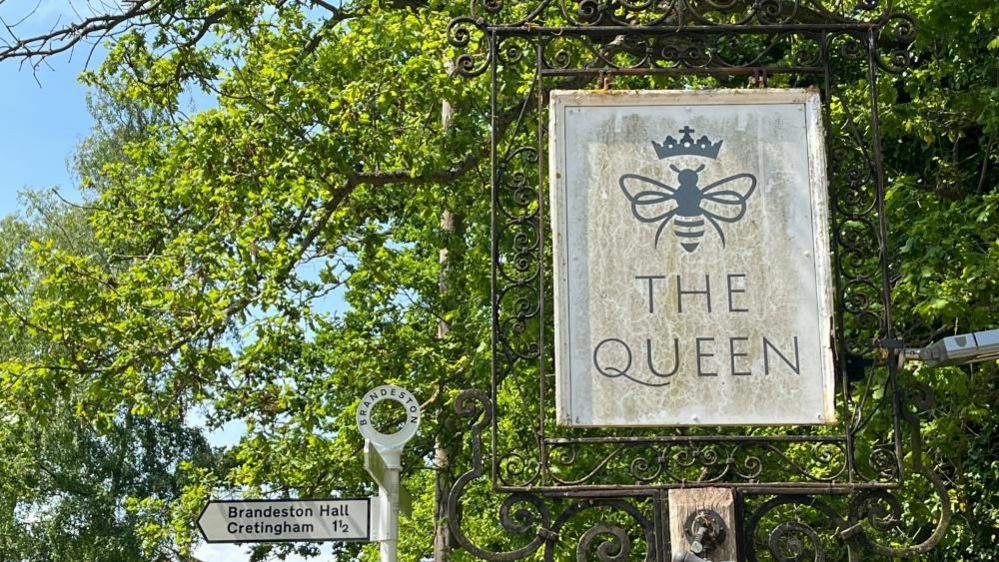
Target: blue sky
x,y
43,115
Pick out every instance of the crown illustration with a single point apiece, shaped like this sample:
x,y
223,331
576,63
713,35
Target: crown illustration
x,y
687,146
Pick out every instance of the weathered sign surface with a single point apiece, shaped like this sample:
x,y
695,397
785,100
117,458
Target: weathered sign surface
x,y
330,519
692,258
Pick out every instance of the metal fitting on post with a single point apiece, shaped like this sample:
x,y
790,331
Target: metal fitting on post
x,y
705,530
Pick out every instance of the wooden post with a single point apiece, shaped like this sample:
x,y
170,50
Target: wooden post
x,y
684,502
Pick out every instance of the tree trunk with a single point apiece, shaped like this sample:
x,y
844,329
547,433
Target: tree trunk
x,y
442,457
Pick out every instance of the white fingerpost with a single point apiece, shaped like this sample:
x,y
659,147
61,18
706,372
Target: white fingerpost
x,y
382,454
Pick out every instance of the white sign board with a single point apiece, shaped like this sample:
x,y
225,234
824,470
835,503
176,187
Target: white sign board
x,y
330,519
692,258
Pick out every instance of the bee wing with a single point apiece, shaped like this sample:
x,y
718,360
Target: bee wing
x,y
729,204
649,205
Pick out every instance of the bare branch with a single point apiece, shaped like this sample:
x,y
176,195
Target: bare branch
x,y
329,7
116,19
406,176
60,39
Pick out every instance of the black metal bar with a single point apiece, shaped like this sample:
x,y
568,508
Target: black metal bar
x,y
542,408
837,327
698,439
887,330
494,242
712,71
660,504
636,490
721,29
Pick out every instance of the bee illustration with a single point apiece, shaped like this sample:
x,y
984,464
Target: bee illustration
x,y
689,205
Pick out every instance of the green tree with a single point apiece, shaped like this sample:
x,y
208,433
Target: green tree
x,y
322,169
67,487
941,138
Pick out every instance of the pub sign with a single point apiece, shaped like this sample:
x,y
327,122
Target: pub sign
x,y
691,240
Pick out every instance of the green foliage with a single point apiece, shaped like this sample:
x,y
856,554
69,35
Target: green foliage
x,y
270,258
217,240
943,204
68,488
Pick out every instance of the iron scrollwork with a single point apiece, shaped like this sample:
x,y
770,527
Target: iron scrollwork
x,y
810,528
808,493
528,515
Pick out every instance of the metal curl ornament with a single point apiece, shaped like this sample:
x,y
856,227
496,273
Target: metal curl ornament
x,y
511,53
882,510
644,469
523,350
519,270
589,11
808,52
526,242
751,468
786,544
942,523
769,12
521,520
492,6
475,405
901,29
921,397
617,550
459,35
515,470
619,547
884,463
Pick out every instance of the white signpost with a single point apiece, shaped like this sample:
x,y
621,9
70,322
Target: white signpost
x,y
382,454
326,519
692,258
331,519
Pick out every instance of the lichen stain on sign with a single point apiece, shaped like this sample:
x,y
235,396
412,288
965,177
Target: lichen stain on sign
x,y
692,258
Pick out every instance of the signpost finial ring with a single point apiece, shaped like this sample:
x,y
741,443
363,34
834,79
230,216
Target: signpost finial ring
x,y
388,392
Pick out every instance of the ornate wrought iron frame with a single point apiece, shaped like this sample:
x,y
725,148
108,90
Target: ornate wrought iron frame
x,y
806,492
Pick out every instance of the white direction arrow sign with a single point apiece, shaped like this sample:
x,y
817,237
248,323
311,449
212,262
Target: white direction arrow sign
x,y
328,519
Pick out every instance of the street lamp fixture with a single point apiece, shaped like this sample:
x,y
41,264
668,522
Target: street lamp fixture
x,y
958,350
